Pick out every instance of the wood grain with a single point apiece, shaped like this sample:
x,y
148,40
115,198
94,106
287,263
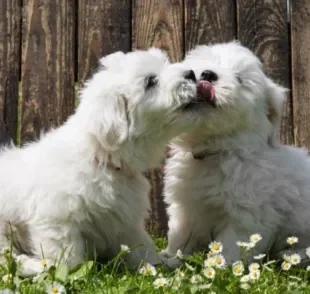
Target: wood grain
x,y
103,27
300,36
10,17
47,65
208,22
160,24
263,27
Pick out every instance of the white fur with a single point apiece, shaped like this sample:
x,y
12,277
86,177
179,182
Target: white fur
x,y
247,181
81,186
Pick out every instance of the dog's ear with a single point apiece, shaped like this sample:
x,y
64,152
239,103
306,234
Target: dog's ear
x,y
276,96
112,60
118,127
111,126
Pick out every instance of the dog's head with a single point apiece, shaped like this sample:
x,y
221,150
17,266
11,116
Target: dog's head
x,y
134,95
240,97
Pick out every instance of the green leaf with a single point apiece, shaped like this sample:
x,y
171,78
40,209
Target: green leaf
x,y
194,289
81,270
62,272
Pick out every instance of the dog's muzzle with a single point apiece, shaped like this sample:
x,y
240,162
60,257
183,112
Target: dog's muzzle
x,y
205,96
206,93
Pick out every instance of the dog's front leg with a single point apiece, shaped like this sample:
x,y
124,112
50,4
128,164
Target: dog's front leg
x,y
228,237
143,248
51,245
180,237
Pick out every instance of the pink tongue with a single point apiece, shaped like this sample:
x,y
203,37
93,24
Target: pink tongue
x,y
205,90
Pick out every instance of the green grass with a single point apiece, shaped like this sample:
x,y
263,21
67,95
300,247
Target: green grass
x,y
114,277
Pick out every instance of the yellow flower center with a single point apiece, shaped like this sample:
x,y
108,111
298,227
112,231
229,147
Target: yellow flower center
x,y
54,290
238,269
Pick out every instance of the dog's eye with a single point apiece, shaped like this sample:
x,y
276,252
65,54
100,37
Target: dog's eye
x,y
239,80
150,82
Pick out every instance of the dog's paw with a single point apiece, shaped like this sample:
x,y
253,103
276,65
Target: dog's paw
x,y
164,254
169,259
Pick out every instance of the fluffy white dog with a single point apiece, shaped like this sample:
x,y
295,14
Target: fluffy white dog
x,y
81,186
230,178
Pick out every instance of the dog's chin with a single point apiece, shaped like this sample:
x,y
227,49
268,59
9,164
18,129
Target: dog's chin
x,y
200,104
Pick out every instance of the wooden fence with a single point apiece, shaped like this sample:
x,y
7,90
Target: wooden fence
x,y
47,47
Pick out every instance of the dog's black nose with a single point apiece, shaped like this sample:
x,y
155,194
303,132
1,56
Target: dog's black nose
x,y
209,75
190,75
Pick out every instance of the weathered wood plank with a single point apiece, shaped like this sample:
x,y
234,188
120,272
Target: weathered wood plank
x,y
208,22
160,24
10,16
104,27
300,32
47,65
263,27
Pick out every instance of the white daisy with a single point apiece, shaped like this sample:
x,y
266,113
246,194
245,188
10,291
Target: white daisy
x,y
175,284
55,288
179,254
238,268
246,245
7,278
292,240
5,250
209,272
219,261
245,279
179,274
244,286
216,247
209,262
211,254
254,267
255,238
308,268
125,248
287,258
254,275
45,264
160,282
286,265
295,259
196,279
148,270
308,251
259,256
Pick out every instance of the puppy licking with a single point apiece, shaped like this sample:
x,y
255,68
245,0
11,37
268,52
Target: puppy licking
x,y
230,177
80,188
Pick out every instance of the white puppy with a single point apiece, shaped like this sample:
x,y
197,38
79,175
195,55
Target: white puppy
x,y
81,186
230,177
